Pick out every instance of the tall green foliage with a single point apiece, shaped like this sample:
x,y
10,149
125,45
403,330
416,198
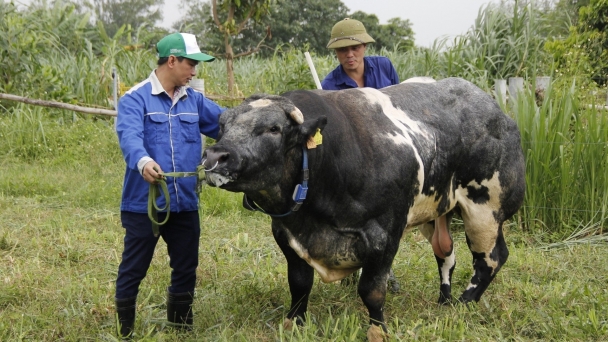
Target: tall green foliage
x,y
564,142
37,48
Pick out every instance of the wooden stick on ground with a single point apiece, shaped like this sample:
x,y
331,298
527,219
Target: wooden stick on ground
x,y
61,105
89,110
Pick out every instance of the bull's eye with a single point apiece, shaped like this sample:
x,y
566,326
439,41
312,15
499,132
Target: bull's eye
x,y
275,129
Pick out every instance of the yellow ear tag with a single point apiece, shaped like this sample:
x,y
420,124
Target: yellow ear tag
x,y
318,138
314,140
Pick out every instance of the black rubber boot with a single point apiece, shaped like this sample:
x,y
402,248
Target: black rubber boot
x,y
125,312
179,309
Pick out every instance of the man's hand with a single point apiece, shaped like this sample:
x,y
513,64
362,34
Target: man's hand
x,y
152,172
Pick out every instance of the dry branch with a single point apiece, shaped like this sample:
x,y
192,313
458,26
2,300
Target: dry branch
x,y
89,110
61,105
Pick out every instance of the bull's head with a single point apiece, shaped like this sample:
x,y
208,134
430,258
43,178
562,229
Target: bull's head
x,y
257,145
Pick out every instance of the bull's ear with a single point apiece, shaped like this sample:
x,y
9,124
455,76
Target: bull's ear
x,y
309,127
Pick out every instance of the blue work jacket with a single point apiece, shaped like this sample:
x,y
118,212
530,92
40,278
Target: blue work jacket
x,y
151,124
378,72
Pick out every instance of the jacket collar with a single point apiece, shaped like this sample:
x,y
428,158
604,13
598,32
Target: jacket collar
x,y
157,87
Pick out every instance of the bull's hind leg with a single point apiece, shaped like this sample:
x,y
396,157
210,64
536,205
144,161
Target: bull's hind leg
x,y
437,233
487,244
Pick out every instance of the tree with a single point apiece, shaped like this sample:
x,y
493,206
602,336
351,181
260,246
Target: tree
x,y
222,24
305,22
585,50
232,17
295,22
592,26
136,13
397,33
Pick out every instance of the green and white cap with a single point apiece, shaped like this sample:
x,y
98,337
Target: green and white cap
x,y
181,45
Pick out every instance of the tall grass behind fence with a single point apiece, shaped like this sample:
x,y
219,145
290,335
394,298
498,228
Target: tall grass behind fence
x,y
286,70
565,145
503,42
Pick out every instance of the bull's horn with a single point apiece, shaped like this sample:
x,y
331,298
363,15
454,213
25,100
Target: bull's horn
x,y
296,115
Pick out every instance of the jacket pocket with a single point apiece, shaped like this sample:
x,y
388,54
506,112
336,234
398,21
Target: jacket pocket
x,y
156,128
189,128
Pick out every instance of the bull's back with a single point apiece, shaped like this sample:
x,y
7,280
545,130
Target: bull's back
x,y
426,140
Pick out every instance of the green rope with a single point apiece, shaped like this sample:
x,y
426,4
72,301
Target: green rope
x,y
155,191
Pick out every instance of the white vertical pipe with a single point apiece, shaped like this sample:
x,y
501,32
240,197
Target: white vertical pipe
x,y
312,69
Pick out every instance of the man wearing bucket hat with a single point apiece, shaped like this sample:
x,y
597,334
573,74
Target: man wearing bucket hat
x,y
349,39
159,126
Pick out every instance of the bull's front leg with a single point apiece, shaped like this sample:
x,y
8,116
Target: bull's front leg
x,y
300,277
372,290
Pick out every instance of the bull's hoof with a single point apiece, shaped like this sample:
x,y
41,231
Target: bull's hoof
x,y
464,299
444,299
393,283
394,286
376,334
287,324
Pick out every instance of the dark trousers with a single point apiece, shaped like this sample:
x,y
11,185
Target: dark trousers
x,y
181,234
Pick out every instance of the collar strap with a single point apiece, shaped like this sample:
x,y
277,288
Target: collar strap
x,y
299,193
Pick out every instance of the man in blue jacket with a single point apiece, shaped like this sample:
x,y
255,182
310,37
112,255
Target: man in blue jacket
x,y
349,39
159,126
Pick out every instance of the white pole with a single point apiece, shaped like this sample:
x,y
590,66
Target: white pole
x,y
500,87
312,69
115,91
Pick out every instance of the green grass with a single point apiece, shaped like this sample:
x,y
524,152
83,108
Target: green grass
x,y
60,249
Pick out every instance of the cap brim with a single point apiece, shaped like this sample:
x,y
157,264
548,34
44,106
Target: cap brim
x,y
201,57
351,41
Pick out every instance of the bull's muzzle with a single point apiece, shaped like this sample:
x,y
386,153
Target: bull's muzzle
x,y
215,163
212,158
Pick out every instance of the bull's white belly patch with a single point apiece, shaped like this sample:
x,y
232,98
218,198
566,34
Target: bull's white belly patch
x,y
424,208
327,275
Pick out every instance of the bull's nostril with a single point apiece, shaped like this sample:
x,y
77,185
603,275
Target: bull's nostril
x,y
224,157
213,158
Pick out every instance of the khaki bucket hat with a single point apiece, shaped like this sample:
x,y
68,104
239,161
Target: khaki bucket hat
x,y
348,32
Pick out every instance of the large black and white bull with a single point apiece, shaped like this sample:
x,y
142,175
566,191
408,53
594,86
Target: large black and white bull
x,y
403,156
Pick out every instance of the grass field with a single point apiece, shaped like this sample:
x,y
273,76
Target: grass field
x,y
61,241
